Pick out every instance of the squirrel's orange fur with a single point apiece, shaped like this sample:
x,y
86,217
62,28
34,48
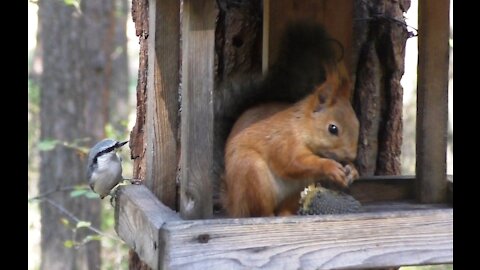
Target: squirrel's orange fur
x,y
276,149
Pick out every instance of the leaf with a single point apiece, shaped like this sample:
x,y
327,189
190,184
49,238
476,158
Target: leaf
x,y
68,244
82,224
92,237
91,195
64,221
47,145
71,2
78,192
80,187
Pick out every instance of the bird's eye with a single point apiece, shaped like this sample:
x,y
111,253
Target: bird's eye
x,y
333,129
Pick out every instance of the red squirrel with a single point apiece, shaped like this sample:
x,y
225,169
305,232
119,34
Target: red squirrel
x,y
276,149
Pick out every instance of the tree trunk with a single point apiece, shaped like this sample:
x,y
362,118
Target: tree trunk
x,y
119,97
379,51
138,135
77,43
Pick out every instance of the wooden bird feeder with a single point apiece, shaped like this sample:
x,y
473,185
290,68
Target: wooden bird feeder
x,y
407,220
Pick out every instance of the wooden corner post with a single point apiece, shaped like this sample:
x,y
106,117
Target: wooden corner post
x,y
162,103
198,40
432,100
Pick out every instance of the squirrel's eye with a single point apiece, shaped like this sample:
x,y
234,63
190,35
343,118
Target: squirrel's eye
x,y
333,129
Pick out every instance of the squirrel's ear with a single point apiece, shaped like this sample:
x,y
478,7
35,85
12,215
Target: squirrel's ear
x,y
335,87
338,77
324,96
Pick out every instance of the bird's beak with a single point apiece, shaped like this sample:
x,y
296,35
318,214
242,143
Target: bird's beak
x,y
120,144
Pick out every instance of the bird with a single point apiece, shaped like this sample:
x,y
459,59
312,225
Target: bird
x,y
104,166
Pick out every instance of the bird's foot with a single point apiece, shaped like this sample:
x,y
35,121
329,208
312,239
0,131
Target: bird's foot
x,y
133,181
113,195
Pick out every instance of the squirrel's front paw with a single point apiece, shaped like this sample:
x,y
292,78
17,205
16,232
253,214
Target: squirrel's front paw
x,y
336,172
351,173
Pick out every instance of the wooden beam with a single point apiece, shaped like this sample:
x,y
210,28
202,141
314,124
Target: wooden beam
x,y
432,100
383,188
139,216
335,15
198,35
361,240
381,235
162,103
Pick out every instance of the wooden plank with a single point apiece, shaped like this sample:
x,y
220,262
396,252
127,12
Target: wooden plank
x,y
322,242
339,23
335,15
383,188
432,100
139,216
198,35
162,103
376,207
276,15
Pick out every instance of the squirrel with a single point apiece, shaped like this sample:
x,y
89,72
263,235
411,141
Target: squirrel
x,y
298,128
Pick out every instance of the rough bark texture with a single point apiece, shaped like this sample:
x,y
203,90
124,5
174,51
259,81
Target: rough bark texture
x,y
74,83
138,134
238,51
379,45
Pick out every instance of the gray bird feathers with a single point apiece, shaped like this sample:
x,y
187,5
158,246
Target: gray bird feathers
x,y
104,168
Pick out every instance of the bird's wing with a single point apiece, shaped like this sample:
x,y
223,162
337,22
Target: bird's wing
x,y
93,166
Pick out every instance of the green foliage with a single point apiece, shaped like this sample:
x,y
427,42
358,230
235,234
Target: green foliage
x,y
82,224
114,132
50,144
68,243
84,192
73,3
47,145
65,222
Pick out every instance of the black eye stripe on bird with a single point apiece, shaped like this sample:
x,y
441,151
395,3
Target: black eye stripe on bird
x,y
104,168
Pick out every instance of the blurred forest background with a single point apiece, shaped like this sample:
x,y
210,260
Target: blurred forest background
x,y
82,76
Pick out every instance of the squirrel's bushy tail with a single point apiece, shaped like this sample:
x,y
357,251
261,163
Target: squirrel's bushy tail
x,y
305,50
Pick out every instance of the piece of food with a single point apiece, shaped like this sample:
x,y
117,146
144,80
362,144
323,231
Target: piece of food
x,y
316,200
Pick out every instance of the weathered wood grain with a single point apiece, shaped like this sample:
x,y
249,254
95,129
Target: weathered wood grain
x,y
139,215
432,100
198,38
324,242
162,103
381,235
383,188
335,15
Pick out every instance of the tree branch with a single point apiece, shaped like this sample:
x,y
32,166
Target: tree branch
x,y
76,219
57,189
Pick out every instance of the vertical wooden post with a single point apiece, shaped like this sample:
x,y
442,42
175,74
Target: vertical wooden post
x,y
335,15
162,102
198,35
432,100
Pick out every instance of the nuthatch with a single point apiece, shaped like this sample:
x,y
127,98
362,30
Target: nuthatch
x,y
104,168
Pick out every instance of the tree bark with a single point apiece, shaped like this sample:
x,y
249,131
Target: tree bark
x,y
77,44
379,51
238,52
138,135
